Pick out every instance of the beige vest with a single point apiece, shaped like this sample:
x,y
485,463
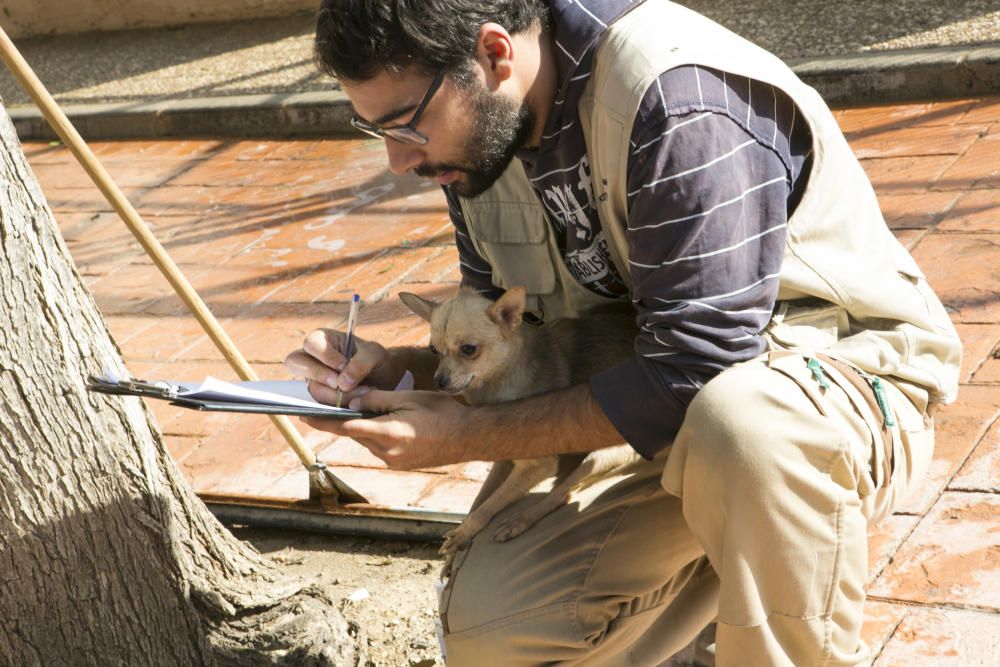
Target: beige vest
x,y
846,287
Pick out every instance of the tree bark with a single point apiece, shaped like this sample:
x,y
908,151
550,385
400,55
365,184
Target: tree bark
x,y
106,555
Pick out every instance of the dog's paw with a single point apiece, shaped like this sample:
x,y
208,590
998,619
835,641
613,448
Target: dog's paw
x,y
447,567
455,541
513,526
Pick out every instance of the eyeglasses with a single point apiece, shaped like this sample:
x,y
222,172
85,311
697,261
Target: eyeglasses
x,y
404,134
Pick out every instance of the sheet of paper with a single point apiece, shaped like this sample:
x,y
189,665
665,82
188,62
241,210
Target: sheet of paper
x,y
272,392
269,392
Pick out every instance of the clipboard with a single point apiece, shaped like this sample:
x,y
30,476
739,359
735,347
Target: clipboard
x,y
174,393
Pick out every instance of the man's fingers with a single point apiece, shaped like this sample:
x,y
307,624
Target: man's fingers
x,y
326,346
378,434
376,400
367,358
323,393
302,364
323,424
409,420
319,359
323,359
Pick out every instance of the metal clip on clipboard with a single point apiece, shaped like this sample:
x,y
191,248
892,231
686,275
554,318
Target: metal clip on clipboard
x,y
105,385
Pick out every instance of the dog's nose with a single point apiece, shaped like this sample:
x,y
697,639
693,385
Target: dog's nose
x,y
441,380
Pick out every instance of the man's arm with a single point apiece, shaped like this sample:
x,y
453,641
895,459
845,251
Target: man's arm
x,y
427,429
711,170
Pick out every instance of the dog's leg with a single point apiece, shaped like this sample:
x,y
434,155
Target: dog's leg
x,y
523,476
498,474
595,463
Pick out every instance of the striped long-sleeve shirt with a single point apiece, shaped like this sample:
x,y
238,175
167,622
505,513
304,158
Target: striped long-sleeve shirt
x,y
717,164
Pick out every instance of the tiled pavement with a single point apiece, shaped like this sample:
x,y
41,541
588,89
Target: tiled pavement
x,y
276,236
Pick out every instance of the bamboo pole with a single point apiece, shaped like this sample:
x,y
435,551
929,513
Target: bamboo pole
x,y
322,482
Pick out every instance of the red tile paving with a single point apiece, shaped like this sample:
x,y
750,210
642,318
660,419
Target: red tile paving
x,y
878,119
919,210
917,141
951,558
884,541
277,235
943,638
981,343
974,212
881,621
960,427
964,271
990,370
981,471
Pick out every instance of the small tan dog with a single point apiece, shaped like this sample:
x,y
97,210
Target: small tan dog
x,y
487,356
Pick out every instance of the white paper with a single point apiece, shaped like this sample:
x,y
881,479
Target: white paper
x,y
287,393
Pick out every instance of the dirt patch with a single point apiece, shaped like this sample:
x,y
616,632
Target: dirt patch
x,y
385,587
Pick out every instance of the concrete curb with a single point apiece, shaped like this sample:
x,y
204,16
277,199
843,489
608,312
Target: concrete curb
x,y
872,78
275,116
907,75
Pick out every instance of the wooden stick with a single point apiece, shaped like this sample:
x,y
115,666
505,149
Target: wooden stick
x,y
322,481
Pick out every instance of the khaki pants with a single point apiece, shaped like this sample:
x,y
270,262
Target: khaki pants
x,y
772,483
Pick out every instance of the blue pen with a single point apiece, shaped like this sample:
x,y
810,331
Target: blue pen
x,y
352,318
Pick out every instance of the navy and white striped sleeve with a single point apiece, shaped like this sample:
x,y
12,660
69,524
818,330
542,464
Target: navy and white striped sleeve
x,y
708,208
476,271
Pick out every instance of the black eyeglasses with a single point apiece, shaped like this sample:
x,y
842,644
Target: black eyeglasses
x,y
404,134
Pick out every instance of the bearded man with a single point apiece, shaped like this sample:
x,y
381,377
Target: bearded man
x,y
789,355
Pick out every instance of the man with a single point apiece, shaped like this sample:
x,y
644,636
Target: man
x,y
790,352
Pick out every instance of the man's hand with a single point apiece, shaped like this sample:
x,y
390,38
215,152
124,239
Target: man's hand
x,y
422,429
323,361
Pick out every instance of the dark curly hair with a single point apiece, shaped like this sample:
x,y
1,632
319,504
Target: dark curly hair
x,y
356,39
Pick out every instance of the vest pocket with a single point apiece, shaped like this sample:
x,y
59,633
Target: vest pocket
x,y
806,327
513,238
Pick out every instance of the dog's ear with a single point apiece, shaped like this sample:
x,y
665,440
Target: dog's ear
x,y
507,311
421,306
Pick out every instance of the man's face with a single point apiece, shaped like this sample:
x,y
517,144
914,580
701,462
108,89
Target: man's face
x,y
472,132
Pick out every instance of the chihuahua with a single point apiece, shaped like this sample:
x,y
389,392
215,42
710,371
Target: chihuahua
x,y
487,356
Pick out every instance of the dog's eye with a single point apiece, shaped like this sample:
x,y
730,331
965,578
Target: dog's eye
x,y
468,350
434,351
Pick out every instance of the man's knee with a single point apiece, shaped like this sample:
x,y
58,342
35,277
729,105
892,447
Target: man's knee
x,y
728,426
747,433
559,591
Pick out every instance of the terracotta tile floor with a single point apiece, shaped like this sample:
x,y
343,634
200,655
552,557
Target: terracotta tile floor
x,y
277,235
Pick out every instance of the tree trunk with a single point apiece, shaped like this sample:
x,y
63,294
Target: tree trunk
x,y
106,555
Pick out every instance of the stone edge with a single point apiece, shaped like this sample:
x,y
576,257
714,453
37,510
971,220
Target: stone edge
x,y
864,79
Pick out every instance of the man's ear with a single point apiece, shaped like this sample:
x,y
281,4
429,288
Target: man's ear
x,y
507,311
495,53
421,306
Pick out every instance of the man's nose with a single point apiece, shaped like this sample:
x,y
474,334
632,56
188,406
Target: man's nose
x,y
403,157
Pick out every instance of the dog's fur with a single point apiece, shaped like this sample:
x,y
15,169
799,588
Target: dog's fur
x,y
487,356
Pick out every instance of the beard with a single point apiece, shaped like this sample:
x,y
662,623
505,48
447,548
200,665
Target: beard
x,y
499,128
